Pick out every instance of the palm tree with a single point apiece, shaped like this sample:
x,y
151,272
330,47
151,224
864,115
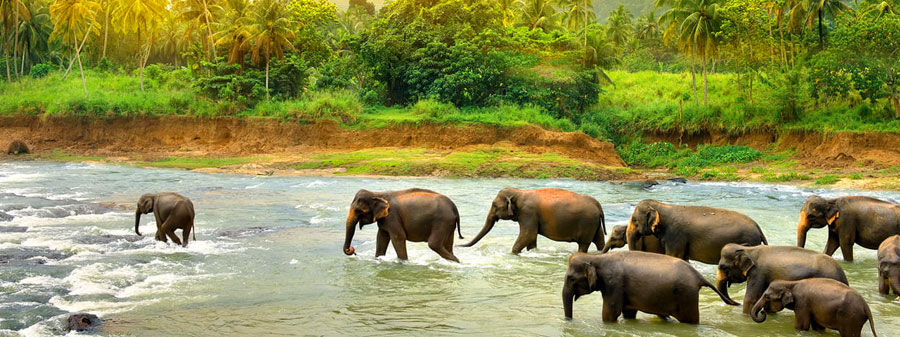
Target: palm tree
x,y
34,34
508,9
646,27
232,29
142,17
170,40
599,52
693,25
618,26
819,9
536,14
882,8
11,11
108,7
272,32
74,18
201,10
577,15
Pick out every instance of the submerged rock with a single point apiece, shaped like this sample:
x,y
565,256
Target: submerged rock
x,y
13,229
5,217
29,256
105,239
245,232
83,322
649,183
678,180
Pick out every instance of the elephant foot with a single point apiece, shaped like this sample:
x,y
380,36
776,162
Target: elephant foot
x,y
350,251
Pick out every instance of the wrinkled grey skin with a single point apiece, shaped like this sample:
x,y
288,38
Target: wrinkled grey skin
x,y
632,281
818,303
889,266
761,265
172,211
865,221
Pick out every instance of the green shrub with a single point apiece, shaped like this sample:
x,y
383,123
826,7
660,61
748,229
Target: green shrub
x,y
341,106
855,176
827,179
433,109
40,70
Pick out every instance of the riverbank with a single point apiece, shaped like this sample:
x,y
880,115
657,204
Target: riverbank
x,y
263,146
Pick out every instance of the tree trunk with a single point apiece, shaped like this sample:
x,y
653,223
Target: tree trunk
x,y
751,92
22,68
793,48
895,100
81,70
705,101
6,60
16,41
105,31
781,41
267,78
140,59
78,50
752,72
212,46
693,76
821,37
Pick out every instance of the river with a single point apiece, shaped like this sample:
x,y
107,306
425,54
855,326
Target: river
x,y
268,259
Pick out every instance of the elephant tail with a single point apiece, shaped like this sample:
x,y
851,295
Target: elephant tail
x,y
602,218
762,235
724,298
458,225
871,321
194,231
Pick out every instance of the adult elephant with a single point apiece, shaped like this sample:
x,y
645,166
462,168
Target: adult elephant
x,y
556,214
852,219
618,238
692,232
172,211
889,266
415,214
761,265
632,281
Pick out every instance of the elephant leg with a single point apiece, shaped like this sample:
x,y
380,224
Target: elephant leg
x,y
399,246
583,247
527,236
883,285
185,234
832,244
815,326
598,240
802,319
438,245
171,233
753,293
847,242
532,245
689,310
611,311
629,314
381,242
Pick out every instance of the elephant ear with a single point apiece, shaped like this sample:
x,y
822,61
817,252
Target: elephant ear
x,y
653,220
145,205
591,274
744,262
510,207
787,298
833,216
380,208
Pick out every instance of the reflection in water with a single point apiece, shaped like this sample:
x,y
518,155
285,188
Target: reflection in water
x,y
268,259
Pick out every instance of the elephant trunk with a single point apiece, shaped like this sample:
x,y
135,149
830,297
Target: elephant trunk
x,y
488,225
722,285
802,228
568,297
607,247
351,230
137,222
757,314
632,237
894,277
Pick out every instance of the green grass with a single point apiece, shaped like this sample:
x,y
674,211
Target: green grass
x,y
59,155
855,176
785,177
828,179
191,163
491,162
663,154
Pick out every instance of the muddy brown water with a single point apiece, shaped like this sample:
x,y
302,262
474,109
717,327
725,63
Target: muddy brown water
x,y
268,259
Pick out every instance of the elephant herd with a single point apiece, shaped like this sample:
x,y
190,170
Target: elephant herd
x,y
653,275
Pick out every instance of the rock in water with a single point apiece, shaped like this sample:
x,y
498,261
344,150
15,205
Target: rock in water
x,y
678,180
84,322
17,147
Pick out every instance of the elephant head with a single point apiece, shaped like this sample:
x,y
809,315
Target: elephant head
x,y
502,208
365,209
734,265
777,297
645,219
816,213
616,238
144,206
582,278
889,276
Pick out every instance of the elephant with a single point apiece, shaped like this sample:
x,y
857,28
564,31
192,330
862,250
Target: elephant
x,y
556,214
761,265
818,303
172,211
692,232
852,219
416,215
632,281
617,239
17,147
889,266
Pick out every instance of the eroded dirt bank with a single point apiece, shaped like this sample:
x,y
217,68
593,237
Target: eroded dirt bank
x,y
875,150
158,136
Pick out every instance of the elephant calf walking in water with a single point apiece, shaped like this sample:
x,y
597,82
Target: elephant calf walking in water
x,y
889,266
415,214
632,281
851,220
172,211
557,214
618,239
818,303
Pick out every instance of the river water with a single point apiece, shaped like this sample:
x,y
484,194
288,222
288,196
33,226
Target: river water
x,y
268,259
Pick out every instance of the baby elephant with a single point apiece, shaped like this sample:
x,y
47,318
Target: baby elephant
x,y
632,281
889,266
817,303
172,211
618,239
